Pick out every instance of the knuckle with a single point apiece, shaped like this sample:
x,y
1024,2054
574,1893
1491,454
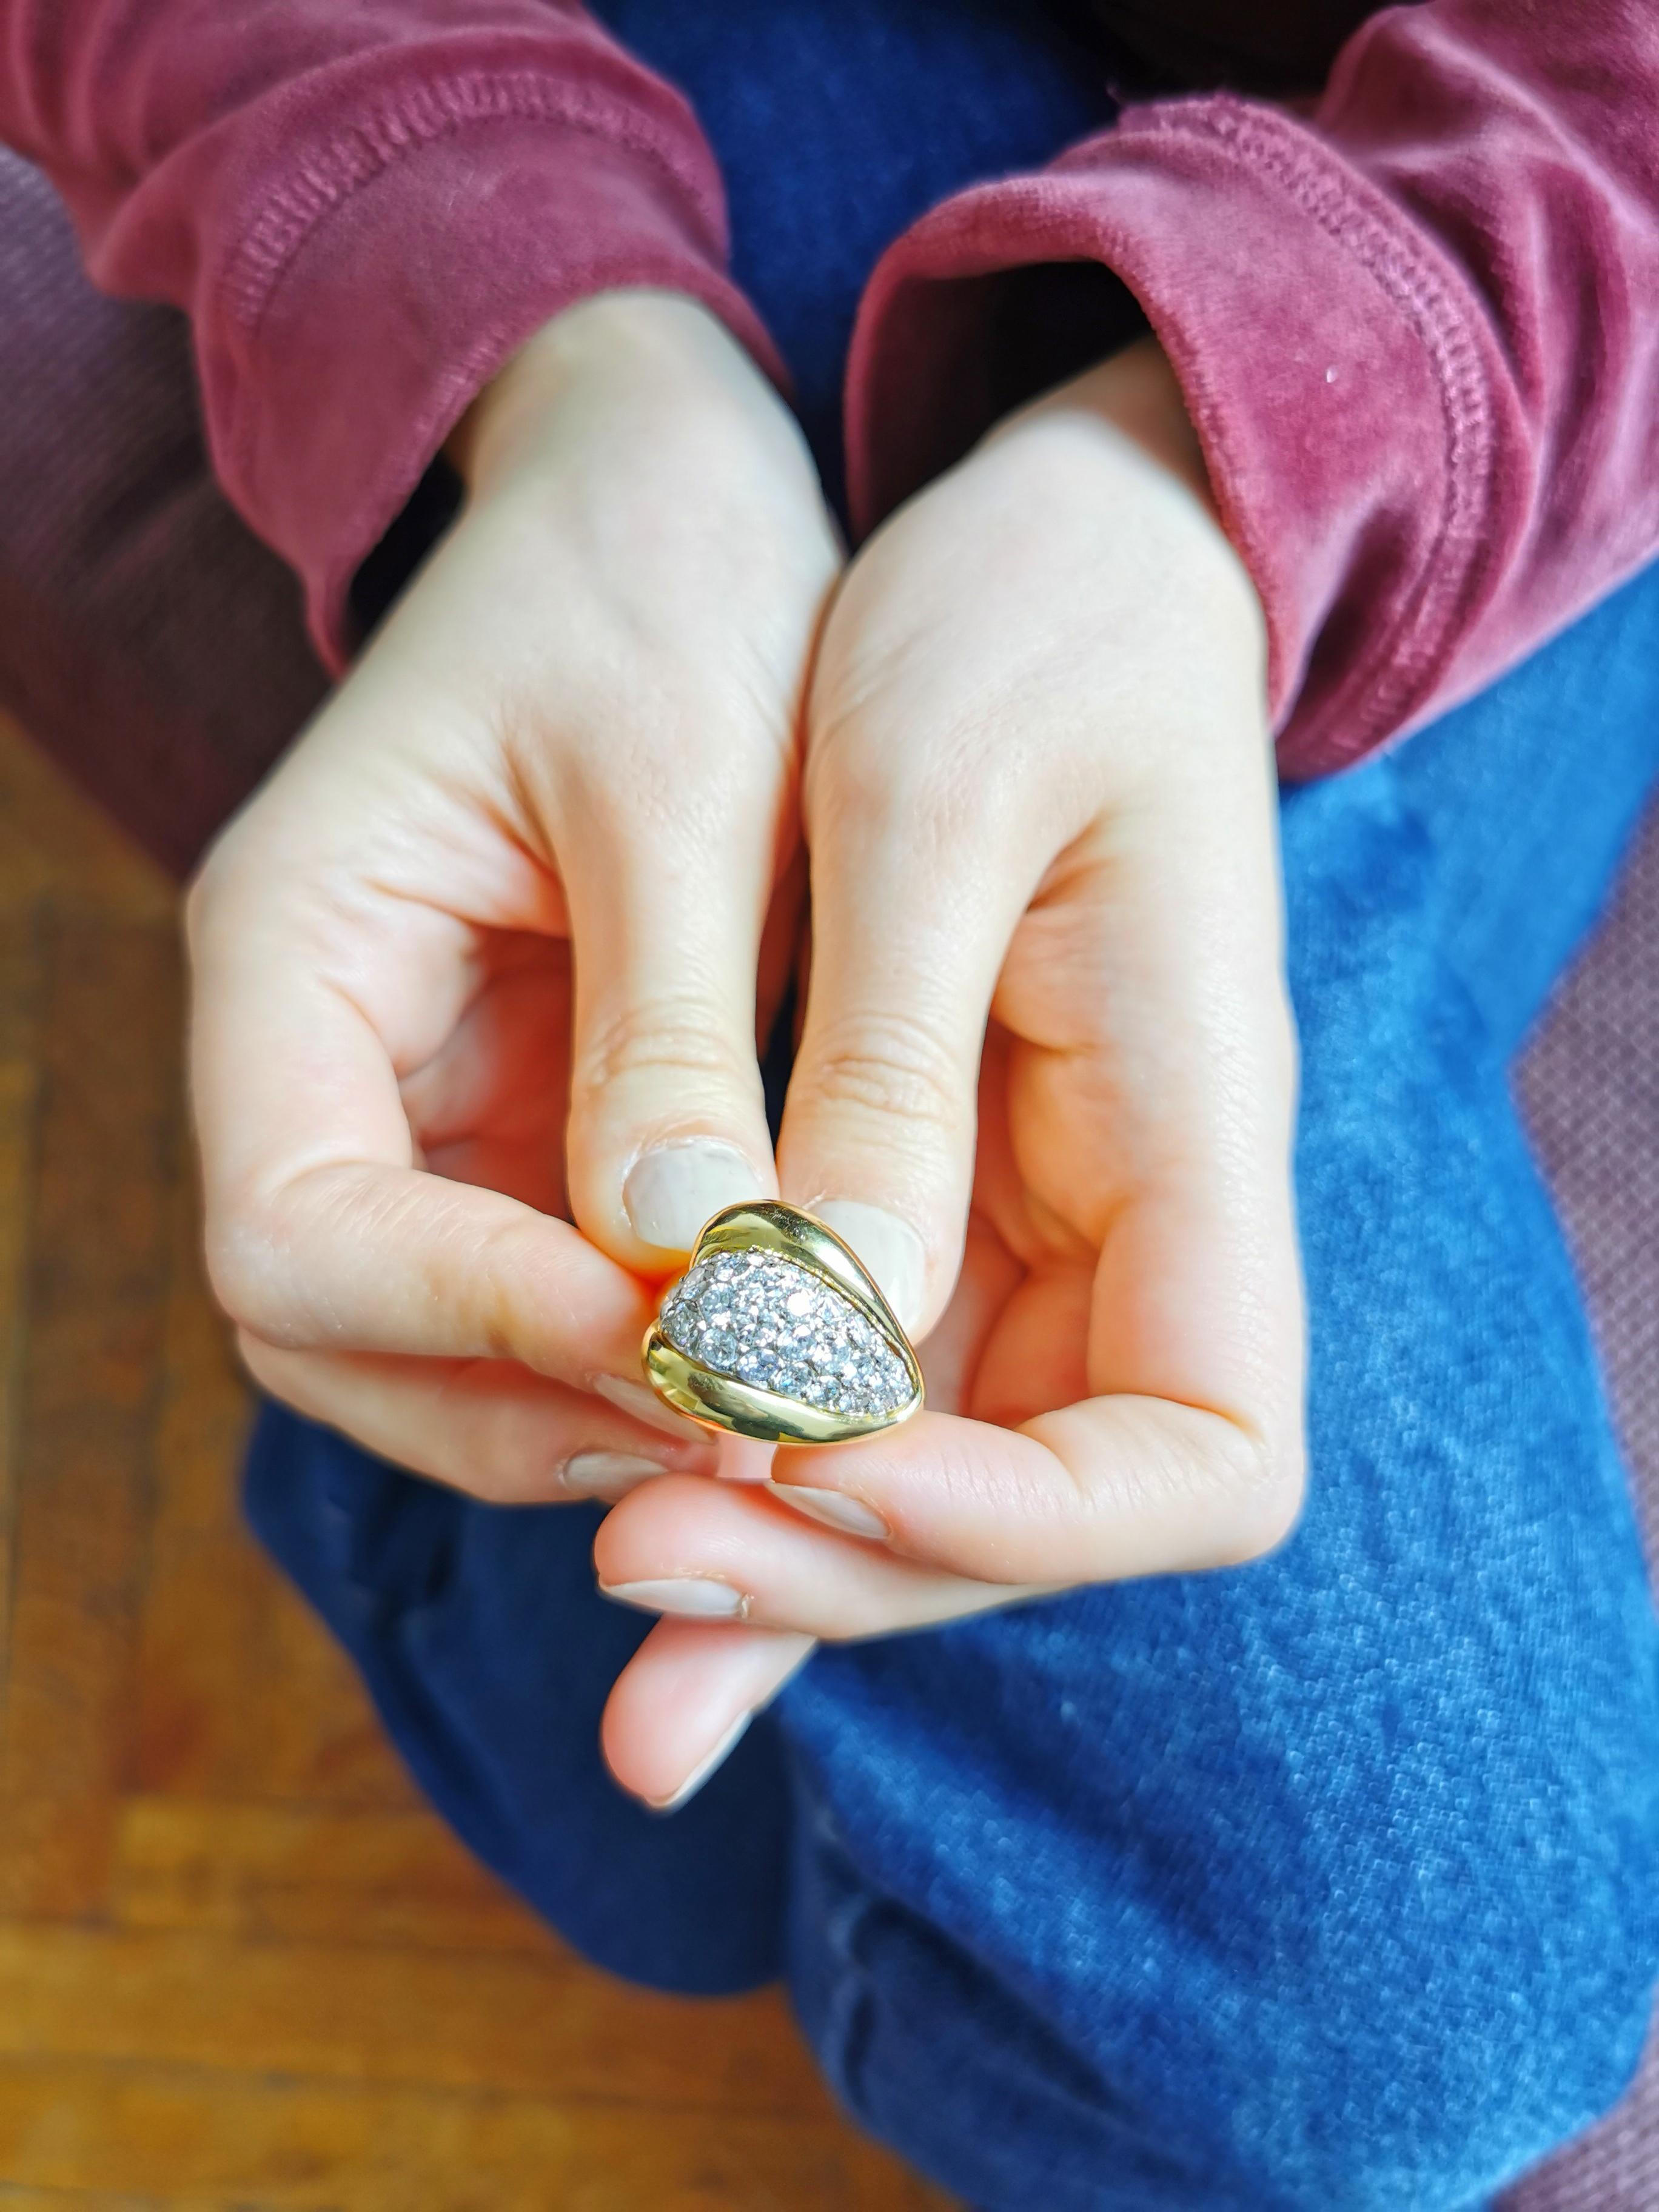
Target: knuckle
x,y
662,1036
263,1249
248,1273
892,1067
485,1301
937,796
1265,1480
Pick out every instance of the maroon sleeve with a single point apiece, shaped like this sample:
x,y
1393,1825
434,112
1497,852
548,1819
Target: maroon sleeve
x,y
1418,332
364,208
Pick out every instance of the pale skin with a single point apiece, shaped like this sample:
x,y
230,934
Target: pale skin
x,y
1046,1076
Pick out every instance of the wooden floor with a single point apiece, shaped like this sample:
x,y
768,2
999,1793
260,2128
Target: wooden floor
x,y
240,1967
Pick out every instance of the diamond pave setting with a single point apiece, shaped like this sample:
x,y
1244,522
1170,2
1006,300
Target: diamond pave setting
x,y
779,1327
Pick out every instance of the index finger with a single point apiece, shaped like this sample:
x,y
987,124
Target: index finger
x,y
322,1229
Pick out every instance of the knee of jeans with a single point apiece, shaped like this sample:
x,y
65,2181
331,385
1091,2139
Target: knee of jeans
x,y
1379,2052
1428,2056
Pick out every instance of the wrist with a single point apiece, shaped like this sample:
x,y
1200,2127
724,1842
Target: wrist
x,y
640,347
1118,438
1137,392
1135,395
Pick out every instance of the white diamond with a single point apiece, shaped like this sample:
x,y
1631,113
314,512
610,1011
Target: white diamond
x,y
770,1323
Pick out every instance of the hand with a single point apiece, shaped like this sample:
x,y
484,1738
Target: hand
x,y
1046,1021
571,751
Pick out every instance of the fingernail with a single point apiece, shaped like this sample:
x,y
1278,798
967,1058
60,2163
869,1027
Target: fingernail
x,y
646,1405
889,1247
693,1597
608,1474
832,1507
699,1773
672,1190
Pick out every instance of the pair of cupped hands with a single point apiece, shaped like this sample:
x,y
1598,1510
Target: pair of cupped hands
x,y
479,975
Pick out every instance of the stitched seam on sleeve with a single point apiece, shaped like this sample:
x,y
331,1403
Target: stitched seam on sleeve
x,y
459,381
376,143
1397,672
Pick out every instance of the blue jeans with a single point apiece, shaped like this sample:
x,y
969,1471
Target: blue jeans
x,y
1328,1882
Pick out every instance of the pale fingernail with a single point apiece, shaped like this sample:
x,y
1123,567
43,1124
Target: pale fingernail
x,y
889,1247
646,1405
608,1474
693,1597
672,1190
832,1507
706,1767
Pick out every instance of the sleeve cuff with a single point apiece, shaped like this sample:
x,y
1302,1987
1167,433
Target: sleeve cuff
x,y
393,269
1340,375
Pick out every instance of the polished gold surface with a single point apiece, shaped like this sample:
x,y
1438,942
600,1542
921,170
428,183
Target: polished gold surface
x,y
722,1400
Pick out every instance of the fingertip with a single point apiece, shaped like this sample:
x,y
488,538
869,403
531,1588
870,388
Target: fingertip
x,y
888,1246
683,1702
709,1764
674,1187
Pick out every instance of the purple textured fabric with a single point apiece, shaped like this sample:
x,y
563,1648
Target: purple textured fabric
x,y
1613,2168
1589,1088
147,638
157,649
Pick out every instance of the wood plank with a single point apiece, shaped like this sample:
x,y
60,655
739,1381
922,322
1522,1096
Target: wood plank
x,y
240,1689
205,1403
262,1872
99,2200
545,2024
53,842
19,1094
109,1029
321,1741
304,2148
201,1668
200,1675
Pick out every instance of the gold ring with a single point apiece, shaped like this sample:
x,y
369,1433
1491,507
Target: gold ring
x,y
776,1331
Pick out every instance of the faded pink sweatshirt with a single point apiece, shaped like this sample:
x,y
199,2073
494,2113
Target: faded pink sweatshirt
x,y
1417,327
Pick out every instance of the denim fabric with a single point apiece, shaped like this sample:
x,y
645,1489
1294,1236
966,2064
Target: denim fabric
x,y
1325,1883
